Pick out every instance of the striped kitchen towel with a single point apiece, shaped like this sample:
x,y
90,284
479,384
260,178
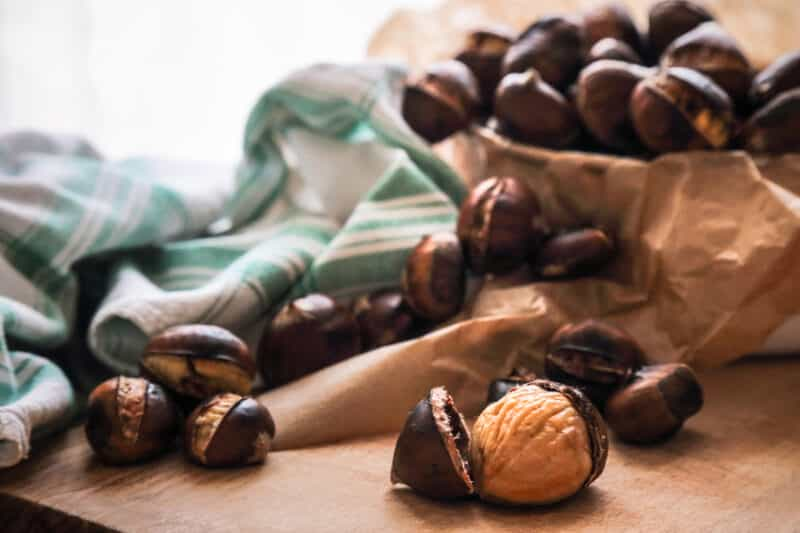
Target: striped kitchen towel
x,y
332,192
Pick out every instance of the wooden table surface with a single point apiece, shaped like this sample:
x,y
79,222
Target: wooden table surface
x,y
735,467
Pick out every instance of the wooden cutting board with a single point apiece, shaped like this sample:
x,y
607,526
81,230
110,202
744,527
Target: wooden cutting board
x,y
735,467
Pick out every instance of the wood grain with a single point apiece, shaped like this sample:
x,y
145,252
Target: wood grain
x,y
735,467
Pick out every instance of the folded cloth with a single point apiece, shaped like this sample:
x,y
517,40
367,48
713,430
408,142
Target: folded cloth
x,y
333,191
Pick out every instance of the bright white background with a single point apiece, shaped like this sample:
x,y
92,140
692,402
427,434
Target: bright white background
x,y
172,78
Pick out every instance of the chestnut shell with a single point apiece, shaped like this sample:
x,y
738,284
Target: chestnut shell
x,y
781,76
669,19
434,277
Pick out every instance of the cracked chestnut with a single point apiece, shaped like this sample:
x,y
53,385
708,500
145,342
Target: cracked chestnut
x,y
384,318
483,53
500,387
595,357
431,454
443,101
773,128
198,361
611,20
539,444
434,277
308,334
655,404
130,420
781,76
574,253
609,48
669,19
229,430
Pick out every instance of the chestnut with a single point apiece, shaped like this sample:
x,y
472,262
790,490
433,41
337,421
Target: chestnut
x,y
593,356
782,75
198,361
384,318
434,278
655,404
308,334
712,51
443,101
431,454
483,53
229,430
499,225
531,111
553,46
574,253
611,20
774,128
603,95
669,19
680,109
130,420
609,48
500,387
539,444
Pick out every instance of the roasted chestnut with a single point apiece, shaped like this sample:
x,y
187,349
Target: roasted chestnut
x,y
609,48
483,53
531,111
443,101
669,19
431,454
604,93
593,356
782,75
384,318
500,387
774,128
553,46
498,226
654,405
574,253
680,109
434,278
308,334
611,20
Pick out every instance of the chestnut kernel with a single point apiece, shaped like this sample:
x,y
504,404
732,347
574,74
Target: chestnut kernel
x,y
229,430
574,253
500,387
531,111
539,444
434,278
603,96
384,318
680,109
611,20
593,356
198,361
669,19
609,48
130,420
431,454
781,76
443,101
774,128
308,334
553,46
483,53
655,404
712,51
498,225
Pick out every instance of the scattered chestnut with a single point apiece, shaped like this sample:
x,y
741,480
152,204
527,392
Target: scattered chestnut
x,y
680,109
574,253
539,444
669,19
434,278
229,430
198,361
553,46
442,102
603,95
609,48
431,454
483,54
498,225
782,75
130,420
308,334
384,318
529,110
712,51
774,128
593,356
654,405
500,387
611,20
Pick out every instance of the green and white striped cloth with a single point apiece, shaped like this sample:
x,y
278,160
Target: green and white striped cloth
x,y
333,191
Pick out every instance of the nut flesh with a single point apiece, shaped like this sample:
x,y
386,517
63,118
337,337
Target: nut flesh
x,y
198,378
208,421
131,405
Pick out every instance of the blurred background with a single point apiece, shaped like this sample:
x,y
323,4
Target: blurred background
x,y
166,78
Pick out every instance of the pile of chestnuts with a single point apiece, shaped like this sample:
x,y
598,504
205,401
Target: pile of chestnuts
x,y
594,82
